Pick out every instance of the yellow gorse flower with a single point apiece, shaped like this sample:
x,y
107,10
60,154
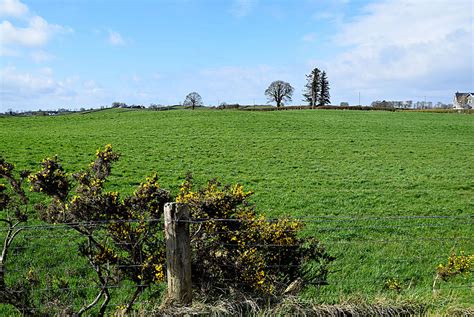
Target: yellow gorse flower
x,y
457,264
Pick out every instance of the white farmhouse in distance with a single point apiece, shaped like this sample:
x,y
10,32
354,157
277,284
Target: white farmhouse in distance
x,y
463,100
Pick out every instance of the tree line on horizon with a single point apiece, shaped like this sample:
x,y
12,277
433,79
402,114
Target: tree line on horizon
x,y
315,93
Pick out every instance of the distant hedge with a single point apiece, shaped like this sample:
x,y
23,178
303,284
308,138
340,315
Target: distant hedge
x,y
367,108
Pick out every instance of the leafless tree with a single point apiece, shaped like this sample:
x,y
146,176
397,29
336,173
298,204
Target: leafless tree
x,y
193,99
279,91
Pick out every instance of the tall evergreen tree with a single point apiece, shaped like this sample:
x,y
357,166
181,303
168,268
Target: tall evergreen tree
x,y
324,97
312,90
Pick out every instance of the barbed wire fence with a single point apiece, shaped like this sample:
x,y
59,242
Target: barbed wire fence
x,y
63,281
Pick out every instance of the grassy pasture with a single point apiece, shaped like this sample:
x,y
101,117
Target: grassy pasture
x,y
358,178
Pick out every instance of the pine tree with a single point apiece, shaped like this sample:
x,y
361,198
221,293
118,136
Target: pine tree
x,y
312,91
324,97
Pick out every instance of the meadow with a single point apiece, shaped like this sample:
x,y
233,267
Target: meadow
x,y
391,194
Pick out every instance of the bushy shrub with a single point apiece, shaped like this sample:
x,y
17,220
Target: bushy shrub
x,y
456,265
234,248
13,214
123,235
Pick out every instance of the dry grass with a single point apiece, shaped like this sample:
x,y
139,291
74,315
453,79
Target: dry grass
x,y
461,312
290,306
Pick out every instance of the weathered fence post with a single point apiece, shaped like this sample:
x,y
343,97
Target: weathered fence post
x,y
178,254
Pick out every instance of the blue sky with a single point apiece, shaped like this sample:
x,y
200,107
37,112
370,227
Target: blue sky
x,y
78,53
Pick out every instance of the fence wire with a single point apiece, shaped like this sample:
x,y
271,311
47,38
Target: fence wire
x,y
302,219
39,248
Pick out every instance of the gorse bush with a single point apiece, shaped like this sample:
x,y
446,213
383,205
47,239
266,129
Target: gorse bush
x,y
393,284
236,249
233,248
461,264
457,265
13,214
123,235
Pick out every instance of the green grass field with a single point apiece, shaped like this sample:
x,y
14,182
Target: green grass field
x,y
360,179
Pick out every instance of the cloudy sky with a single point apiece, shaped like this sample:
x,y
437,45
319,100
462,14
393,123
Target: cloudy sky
x,y
90,53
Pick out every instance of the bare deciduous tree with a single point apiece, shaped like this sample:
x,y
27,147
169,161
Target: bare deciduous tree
x,y
193,99
279,91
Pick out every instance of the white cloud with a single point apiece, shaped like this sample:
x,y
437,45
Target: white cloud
x,y
40,88
27,84
92,88
37,33
406,46
8,52
231,84
405,22
238,84
241,8
30,31
115,38
12,8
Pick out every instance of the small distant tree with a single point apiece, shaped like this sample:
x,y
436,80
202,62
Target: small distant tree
x,y
154,106
325,97
193,99
279,91
312,90
382,104
119,105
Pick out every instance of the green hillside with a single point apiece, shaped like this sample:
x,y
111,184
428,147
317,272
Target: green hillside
x,y
391,194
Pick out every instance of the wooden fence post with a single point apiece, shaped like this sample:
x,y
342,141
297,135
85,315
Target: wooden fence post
x,y
178,255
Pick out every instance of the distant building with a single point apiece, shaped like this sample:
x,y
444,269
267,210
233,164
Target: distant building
x,y
463,100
